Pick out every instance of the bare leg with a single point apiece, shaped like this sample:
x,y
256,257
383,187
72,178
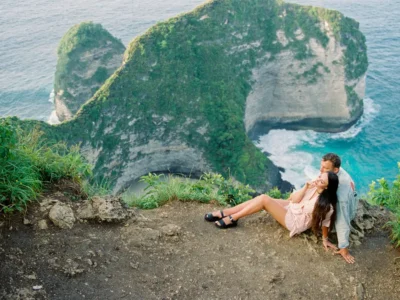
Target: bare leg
x,y
232,210
239,207
275,209
282,203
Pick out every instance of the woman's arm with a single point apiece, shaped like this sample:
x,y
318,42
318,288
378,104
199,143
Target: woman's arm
x,y
325,230
298,195
325,241
325,233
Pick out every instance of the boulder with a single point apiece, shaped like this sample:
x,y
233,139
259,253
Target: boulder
x,y
62,215
104,209
367,218
86,211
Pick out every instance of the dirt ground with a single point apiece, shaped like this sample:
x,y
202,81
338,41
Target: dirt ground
x,y
172,253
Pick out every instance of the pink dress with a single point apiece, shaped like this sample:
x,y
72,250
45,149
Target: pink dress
x,y
299,215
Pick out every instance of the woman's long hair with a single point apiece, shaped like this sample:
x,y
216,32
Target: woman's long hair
x,y
327,198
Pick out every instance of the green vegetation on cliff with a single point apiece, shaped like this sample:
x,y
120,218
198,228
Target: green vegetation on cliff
x,y
210,187
346,31
382,193
84,47
195,70
26,162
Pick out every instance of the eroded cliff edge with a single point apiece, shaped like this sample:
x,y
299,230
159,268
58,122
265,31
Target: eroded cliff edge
x,y
87,55
192,89
323,90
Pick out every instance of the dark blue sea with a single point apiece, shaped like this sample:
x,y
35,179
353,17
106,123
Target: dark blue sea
x,y
31,29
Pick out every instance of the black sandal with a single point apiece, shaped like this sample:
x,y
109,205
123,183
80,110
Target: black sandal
x,y
223,225
210,218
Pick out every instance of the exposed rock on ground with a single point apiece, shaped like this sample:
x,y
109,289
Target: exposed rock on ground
x,y
367,219
108,209
172,253
62,215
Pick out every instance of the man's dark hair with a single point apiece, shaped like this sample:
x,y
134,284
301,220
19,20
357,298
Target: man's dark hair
x,y
334,158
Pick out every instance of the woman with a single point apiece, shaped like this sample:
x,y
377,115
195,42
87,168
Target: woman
x,y
313,206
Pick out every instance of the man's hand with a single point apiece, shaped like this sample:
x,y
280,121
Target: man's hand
x,y
327,244
344,252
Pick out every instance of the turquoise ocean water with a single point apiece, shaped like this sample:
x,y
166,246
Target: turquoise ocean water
x,y
31,30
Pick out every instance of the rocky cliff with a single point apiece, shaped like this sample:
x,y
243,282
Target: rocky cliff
x,y
323,90
192,89
87,55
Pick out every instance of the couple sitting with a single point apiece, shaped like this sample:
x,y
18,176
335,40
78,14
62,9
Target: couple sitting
x,y
327,201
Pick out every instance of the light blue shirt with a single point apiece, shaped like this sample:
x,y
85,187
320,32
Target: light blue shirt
x,y
346,208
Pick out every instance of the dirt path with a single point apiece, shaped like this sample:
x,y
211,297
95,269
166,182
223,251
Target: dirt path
x,y
172,253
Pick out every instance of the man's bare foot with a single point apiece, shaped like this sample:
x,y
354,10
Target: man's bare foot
x,y
344,252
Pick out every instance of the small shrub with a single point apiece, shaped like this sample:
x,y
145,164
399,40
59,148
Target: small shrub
x,y
209,187
233,192
277,194
381,193
395,228
94,188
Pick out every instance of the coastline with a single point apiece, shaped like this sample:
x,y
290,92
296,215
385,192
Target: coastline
x,y
316,124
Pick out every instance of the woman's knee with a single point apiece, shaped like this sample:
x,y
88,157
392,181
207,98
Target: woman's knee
x,y
265,199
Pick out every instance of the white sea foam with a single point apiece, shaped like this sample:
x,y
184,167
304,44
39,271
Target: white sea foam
x,y
371,110
299,166
51,96
53,118
281,144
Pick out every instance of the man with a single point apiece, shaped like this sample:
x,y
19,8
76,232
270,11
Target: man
x,y
346,207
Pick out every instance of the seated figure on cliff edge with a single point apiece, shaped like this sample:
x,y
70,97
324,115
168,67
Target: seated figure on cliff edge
x,y
347,204
313,206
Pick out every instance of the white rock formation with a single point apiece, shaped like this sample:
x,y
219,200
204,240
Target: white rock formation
x,y
282,94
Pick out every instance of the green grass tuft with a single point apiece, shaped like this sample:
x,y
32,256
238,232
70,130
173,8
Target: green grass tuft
x,y
26,162
384,194
210,187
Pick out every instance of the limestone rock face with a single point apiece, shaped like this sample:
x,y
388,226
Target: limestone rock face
x,y
62,215
160,153
87,56
307,93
